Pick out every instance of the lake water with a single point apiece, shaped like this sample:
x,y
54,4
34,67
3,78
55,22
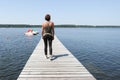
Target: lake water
x,y
15,49
98,49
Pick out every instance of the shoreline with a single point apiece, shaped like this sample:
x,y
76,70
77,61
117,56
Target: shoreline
x,y
57,26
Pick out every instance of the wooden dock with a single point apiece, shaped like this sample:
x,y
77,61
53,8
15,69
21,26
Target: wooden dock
x,y
64,66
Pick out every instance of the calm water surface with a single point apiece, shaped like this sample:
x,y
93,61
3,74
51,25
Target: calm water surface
x,y
97,48
15,49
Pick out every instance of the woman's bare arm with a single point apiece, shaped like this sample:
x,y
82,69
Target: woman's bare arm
x,y
53,29
42,30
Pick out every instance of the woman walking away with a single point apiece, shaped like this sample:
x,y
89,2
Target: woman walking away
x,y
48,35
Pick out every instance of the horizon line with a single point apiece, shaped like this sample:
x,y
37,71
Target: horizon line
x,y
66,24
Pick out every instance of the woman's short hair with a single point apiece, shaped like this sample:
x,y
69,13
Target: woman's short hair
x,y
47,17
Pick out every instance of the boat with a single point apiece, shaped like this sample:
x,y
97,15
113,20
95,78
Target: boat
x,y
31,32
28,33
35,32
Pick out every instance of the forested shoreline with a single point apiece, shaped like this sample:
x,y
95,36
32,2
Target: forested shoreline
x,y
62,26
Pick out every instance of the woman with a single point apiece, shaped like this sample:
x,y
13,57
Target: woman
x,y
48,34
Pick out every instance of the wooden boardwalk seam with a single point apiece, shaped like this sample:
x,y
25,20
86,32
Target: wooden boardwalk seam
x,y
64,66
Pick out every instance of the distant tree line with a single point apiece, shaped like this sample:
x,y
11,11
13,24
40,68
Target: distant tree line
x,y
62,26
18,26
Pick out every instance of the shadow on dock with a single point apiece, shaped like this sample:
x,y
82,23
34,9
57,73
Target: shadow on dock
x,y
58,56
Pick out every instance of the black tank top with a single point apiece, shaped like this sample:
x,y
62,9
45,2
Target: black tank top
x,y
48,31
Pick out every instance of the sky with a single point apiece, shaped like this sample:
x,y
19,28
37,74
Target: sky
x,y
78,12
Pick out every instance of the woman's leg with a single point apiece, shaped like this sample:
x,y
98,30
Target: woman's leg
x,y
50,46
45,46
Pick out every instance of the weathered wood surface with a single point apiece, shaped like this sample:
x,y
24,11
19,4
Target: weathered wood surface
x,y
64,66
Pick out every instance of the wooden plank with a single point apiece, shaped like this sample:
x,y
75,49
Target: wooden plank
x,y
36,78
64,66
